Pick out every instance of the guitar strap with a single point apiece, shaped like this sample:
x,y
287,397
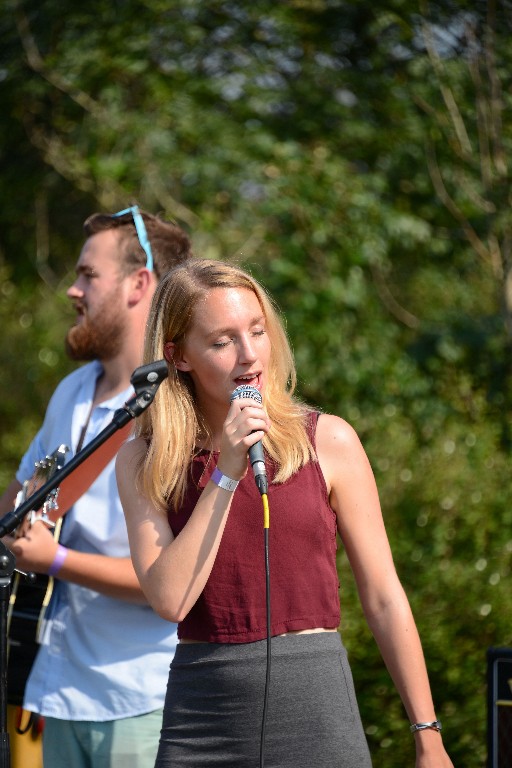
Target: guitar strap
x,y
75,484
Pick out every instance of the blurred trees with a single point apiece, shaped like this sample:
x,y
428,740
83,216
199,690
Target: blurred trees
x,y
357,159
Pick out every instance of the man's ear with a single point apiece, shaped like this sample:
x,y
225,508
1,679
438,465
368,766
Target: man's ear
x,y
141,282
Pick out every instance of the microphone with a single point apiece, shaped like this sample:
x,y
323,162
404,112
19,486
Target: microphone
x,y
256,456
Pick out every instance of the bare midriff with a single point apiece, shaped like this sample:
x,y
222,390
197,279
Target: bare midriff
x,y
185,641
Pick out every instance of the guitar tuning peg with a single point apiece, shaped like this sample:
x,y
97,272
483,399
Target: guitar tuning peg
x,y
29,576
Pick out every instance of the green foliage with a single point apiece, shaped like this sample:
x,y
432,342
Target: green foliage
x,y
356,159
32,361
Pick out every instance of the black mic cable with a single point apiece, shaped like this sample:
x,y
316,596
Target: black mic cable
x,y
257,460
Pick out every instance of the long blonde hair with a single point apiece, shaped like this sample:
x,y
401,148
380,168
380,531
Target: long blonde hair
x,y
173,424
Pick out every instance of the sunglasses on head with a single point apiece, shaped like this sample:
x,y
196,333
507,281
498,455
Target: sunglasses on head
x,y
141,232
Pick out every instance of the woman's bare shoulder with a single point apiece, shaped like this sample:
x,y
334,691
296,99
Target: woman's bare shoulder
x,y
131,453
339,450
334,432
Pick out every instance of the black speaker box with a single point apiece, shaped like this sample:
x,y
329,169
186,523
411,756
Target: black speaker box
x,y
499,707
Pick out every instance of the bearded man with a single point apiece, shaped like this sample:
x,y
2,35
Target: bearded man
x,y
100,674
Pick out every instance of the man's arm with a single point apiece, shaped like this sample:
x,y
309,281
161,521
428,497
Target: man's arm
x,y
35,552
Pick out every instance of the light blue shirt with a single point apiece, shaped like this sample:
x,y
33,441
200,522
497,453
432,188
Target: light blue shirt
x,y
100,658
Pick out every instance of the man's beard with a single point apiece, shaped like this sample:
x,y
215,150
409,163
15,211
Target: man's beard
x,y
98,338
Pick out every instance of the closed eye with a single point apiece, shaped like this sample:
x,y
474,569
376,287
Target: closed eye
x,y
86,273
222,344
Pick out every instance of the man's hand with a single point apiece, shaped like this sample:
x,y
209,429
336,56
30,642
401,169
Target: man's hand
x,y
35,549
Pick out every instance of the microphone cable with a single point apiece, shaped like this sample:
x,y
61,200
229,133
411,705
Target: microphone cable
x,y
257,461
266,526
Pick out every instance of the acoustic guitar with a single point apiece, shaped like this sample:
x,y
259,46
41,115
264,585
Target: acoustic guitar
x,y
31,593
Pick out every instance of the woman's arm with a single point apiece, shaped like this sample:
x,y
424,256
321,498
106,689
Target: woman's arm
x,y
173,571
354,498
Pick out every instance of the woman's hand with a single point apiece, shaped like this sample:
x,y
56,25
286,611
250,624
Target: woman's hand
x,y
246,423
430,751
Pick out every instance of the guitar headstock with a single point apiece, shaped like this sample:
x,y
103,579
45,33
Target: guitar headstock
x,y
44,469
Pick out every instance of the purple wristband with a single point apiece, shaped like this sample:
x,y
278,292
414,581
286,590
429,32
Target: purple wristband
x,y
58,560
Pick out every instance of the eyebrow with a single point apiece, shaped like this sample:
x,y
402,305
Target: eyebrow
x,y
81,268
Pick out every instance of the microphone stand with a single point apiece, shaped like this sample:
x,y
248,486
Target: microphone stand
x,y
145,381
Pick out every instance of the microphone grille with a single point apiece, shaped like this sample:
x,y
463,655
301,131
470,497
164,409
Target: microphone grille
x,y
245,390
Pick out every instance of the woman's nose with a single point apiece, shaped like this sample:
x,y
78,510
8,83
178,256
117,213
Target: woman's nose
x,y
247,352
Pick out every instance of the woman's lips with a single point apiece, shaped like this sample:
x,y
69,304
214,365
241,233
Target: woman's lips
x,y
253,381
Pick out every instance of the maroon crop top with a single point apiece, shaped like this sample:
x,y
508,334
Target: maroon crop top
x,y
304,585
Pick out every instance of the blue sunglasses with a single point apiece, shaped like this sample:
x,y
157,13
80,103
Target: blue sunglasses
x,y
141,232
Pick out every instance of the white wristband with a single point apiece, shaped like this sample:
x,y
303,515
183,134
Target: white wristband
x,y
223,481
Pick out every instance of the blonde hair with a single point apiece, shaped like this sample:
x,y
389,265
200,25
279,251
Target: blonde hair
x,y
173,424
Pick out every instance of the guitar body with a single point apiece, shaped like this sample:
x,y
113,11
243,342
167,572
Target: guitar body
x,y
31,593
30,597
29,600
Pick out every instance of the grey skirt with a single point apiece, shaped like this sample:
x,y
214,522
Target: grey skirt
x,y
215,697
